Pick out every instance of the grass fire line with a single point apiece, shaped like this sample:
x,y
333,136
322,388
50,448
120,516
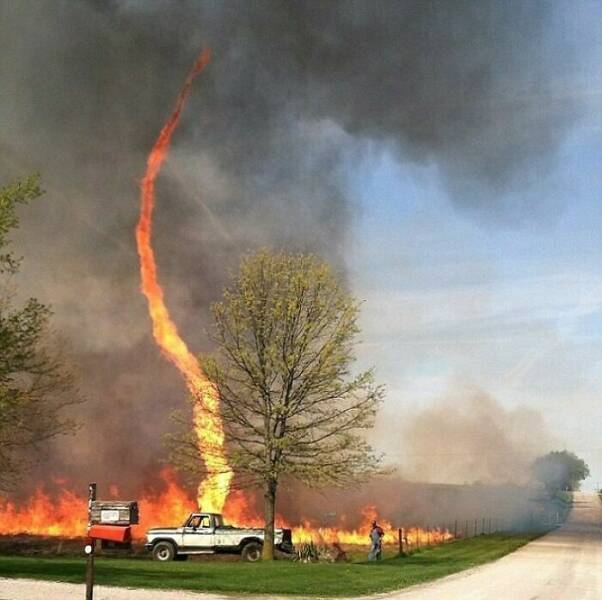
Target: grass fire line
x,y
65,515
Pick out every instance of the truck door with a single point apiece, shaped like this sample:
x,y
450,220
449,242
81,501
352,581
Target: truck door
x,y
199,533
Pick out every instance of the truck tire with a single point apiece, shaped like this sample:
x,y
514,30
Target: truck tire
x,y
251,552
164,551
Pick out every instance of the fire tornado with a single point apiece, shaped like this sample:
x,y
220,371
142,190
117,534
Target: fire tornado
x,y
212,492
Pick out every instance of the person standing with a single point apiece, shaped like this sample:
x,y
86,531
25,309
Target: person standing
x,y
376,541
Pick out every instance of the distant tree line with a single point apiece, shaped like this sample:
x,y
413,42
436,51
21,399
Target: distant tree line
x,y
560,471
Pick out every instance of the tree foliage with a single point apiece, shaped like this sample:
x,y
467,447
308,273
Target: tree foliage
x,y
560,470
34,381
285,333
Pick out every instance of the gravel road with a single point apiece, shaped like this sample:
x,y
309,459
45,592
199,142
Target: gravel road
x,y
25,589
563,565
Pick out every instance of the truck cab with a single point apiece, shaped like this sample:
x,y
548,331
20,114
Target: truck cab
x,y
199,530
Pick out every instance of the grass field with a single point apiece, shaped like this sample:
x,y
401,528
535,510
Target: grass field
x,y
280,577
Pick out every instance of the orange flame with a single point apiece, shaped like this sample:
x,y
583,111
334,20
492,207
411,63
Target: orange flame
x,y
413,536
66,515
212,492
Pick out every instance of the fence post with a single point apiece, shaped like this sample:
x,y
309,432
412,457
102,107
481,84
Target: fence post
x,y
456,528
400,538
483,526
475,528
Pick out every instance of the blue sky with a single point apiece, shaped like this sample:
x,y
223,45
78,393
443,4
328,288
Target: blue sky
x,y
513,307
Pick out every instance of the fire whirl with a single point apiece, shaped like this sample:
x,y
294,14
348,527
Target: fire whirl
x,y
213,491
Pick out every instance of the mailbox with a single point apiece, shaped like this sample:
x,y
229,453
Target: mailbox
x,y
110,522
111,533
114,512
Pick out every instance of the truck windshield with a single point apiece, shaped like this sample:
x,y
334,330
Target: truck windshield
x,y
198,521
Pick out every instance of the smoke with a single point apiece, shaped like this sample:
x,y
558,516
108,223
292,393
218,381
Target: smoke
x,y
465,457
469,437
406,503
296,92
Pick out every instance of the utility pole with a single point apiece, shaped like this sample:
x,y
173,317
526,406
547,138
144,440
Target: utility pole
x,y
89,549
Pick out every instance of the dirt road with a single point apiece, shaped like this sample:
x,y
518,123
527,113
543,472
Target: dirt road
x,y
563,565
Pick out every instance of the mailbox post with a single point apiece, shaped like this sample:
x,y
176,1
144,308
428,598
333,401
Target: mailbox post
x,y
90,544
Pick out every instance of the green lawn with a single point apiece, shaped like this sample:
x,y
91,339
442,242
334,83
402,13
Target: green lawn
x,y
281,577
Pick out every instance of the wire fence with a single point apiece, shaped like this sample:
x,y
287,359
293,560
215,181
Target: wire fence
x,y
410,539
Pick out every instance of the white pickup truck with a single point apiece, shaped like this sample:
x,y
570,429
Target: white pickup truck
x,y
205,533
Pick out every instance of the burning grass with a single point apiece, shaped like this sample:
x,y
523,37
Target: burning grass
x,y
281,577
63,515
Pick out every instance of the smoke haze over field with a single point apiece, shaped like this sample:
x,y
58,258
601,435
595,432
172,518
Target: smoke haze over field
x,y
296,96
469,437
406,503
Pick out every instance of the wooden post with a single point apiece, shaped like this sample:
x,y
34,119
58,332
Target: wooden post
x,y
466,528
483,526
489,525
90,553
400,539
456,528
475,528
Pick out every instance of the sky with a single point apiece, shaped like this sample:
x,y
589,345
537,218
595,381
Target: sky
x,y
514,309
444,157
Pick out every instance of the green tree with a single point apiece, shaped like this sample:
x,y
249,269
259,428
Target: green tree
x,y
560,470
35,384
285,333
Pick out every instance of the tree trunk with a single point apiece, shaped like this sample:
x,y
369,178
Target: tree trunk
x,y
269,496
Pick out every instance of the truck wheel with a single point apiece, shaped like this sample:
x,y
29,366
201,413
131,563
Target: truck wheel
x,y
252,552
164,551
